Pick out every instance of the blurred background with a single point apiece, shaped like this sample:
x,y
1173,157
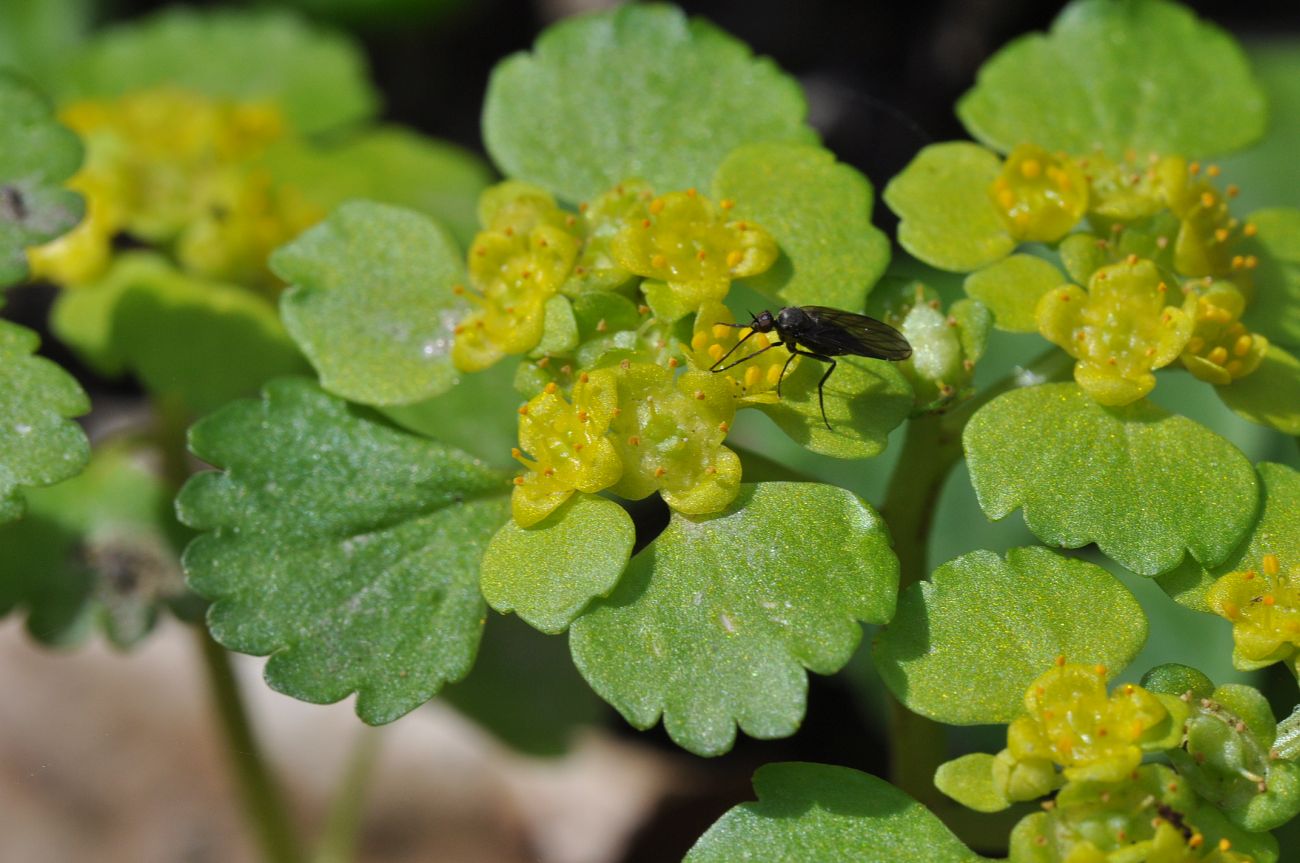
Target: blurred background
x,y
115,756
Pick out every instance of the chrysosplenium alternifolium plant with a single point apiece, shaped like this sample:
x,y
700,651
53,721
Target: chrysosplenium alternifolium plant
x,y
654,170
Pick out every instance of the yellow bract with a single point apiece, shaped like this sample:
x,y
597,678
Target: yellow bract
x,y
1221,349
754,381
686,242
1040,196
563,446
1120,329
1264,608
1072,722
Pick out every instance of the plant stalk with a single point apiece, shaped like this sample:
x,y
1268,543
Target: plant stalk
x,y
343,824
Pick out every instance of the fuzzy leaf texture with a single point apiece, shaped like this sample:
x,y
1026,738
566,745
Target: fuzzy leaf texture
x,y
1144,485
39,443
97,551
1270,395
317,78
1111,75
1274,533
548,573
1011,289
965,645
1276,310
714,623
819,212
638,91
371,302
345,547
36,156
831,815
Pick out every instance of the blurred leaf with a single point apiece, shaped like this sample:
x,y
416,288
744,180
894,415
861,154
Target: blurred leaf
x,y
1275,311
318,78
946,217
1011,289
831,815
965,646
98,550
477,415
1143,484
36,156
1268,173
371,302
1274,533
865,401
38,36
345,547
390,165
1270,395
637,91
819,212
524,689
714,622
39,444
548,573
1144,74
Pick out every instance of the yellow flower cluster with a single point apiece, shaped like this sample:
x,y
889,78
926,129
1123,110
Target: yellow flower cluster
x,y
1040,196
1264,608
1221,349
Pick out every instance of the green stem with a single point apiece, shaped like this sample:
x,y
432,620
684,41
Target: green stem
x,y
264,806
338,843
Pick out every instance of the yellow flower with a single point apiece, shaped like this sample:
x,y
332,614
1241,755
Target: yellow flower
x,y
1040,196
600,221
1264,608
1071,722
565,445
1120,329
689,252
1208,234
754,381
1128,190
1221,350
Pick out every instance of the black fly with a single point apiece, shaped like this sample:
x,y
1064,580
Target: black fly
x,y
823,333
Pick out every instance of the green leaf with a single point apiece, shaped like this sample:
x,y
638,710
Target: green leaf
x,y
371,303
946,217
38,36
965,646
39,444
478,415
319,79
1268,173
549,572
1143,484
1274,533
638,91
714,623
1174,679
819,212
831,815
969,781
865,401
1145,75
525,690
36,156
1275,311
345,547
1011,289
98,550
390,165
1270,395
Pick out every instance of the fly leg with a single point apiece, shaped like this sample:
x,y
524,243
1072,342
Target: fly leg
x,y
793,354
745,358
821,396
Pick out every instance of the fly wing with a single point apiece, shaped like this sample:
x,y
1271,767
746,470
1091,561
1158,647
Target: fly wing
x,y
840,332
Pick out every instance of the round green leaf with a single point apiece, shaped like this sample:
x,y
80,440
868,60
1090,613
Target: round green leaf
x,y
1274,533
371,303
1143,484
1145,75
714,623
1270,395
345,547
946,217
965,646
865,401
317,78
391,165
39,444
1011,289
549,572
1275,311
36,156
98,550
38,36
819,212
638,91
828,814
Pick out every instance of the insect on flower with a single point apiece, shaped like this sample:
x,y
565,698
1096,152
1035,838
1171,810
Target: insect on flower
x,y
823,334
